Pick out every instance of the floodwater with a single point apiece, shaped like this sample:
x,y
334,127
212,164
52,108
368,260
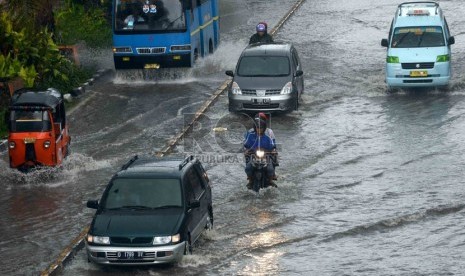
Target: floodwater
x,y
370,182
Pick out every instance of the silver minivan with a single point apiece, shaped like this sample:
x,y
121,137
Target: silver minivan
x,y
268,77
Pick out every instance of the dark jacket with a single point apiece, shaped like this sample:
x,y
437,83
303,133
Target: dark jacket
x,y
256,38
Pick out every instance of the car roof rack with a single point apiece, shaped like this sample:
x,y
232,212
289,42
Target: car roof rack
x,y
418,2
129,163
186,161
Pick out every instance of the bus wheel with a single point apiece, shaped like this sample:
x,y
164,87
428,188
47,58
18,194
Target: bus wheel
x,y
210,47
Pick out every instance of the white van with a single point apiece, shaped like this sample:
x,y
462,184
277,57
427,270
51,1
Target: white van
x,y
418,47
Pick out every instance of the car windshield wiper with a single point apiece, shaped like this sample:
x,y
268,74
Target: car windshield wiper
x,y
401,39
170,24
167,207
132,207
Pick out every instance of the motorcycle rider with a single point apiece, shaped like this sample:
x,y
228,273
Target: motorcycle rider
x,y
262,35
269,132
254,140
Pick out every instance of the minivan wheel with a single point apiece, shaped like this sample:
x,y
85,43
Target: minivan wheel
x,y
296,103
188,245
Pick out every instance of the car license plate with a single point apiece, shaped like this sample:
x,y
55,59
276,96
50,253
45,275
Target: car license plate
x,y
152,66
261,101
417,74
125,255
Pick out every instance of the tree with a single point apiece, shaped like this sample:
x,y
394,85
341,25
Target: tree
x,y
31,14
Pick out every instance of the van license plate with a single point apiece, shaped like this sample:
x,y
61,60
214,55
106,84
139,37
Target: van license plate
x,y
261,101
130,255
416,74
29,140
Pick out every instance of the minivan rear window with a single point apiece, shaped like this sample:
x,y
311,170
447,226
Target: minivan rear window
x,y
263,66
149,193
414,37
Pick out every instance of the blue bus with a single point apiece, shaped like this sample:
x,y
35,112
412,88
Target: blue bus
x,y
152,34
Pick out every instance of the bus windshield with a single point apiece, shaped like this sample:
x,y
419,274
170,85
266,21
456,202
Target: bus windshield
x,y
29,121
414,37
149,15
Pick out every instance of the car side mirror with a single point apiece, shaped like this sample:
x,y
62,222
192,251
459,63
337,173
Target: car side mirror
x,y
451,40
384,42
299,73
230,73
194,204
93,204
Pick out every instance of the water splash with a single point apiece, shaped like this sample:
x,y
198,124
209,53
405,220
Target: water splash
x,y
61,175
224,58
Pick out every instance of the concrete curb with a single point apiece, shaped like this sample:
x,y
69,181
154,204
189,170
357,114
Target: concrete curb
x,y
66,254
78,91
70,251
3,145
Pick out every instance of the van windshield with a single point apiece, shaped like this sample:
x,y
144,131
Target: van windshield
x,y
263,66
29,121
414,37
141,193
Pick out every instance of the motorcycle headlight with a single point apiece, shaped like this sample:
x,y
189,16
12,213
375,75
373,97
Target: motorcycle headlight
x,y
166,239
287,89
98,239
235,89
260,153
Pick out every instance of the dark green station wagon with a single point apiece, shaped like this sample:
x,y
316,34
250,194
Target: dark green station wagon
x,y
152,211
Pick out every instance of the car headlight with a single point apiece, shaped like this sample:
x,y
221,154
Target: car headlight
x,y
260,153
180,48
392,59
166,239
287,89
47,144
98,239
235,89
12,145
122,50
443,58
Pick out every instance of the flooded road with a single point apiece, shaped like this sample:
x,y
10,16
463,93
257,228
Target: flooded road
x,y
370,183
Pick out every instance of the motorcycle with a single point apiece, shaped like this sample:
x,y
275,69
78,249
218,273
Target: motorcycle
x,y
260,160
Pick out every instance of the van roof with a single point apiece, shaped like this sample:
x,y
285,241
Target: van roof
x,y
424,13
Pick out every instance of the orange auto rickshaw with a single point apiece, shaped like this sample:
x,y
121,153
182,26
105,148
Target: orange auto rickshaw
x,y
38,131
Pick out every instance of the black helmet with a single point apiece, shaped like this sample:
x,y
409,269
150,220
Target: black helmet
x,y
259,124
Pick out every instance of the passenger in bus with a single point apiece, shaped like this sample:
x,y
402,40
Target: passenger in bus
x,y
134,18
262,35
157,15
